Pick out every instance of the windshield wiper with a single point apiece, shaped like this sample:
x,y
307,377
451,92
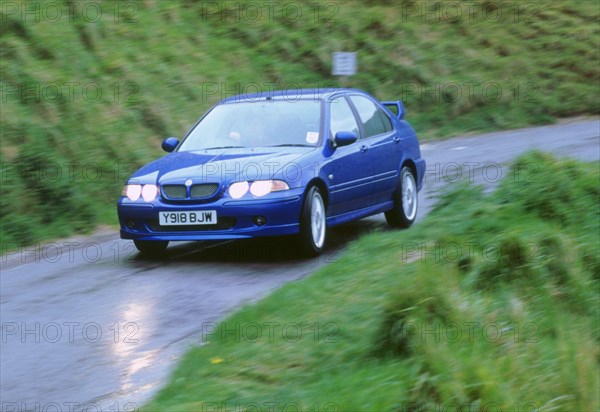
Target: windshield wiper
x,y
293,145
222,147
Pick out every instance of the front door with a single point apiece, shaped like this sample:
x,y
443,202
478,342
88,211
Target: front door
x,y
349,173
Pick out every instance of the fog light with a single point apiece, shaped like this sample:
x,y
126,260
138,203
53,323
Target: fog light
x,y
260,220
130,224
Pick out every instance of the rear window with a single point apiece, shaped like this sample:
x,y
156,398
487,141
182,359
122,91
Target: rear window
x,y
373,118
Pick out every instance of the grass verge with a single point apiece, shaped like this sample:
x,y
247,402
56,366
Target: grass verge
x,y
490,303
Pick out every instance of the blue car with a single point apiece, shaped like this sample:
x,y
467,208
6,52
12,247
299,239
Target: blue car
x,y
292,162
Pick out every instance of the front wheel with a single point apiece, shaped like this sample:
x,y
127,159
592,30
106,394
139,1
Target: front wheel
x,y
313,223
151,248
405,201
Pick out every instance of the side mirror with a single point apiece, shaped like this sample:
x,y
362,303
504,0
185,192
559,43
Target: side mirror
x,y
169,144
345,138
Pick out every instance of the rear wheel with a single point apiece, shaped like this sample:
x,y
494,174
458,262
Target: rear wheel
x,y
151,248
313,223
405,201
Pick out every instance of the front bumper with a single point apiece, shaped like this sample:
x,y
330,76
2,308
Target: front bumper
x,y
235,218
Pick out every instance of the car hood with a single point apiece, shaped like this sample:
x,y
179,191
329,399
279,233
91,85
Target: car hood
x,y
223,166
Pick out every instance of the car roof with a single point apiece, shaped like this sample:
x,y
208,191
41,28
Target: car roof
x,y
292,94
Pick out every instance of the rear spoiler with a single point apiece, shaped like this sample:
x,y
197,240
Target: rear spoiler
x,y
396,108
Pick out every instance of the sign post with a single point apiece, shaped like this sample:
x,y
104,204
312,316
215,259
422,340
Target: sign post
x,y
344,64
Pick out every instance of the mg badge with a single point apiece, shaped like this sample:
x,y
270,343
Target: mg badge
x,y
188,182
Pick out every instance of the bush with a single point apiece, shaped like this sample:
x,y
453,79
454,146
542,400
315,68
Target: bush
x,y
423,301
560,191
510,261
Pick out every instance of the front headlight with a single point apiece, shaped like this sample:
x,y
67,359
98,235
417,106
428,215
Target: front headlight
x,y
149,192
258,188
238,189
134,192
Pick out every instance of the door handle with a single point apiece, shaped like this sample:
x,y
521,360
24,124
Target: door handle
x,y
364,148
396,139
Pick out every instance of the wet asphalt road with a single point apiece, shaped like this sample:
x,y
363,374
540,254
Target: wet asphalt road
x,y
87,323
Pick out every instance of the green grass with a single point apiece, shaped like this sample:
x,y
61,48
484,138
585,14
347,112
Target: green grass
x,y
380,327
160,64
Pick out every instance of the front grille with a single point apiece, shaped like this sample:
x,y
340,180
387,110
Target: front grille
x,y
223,223
203,190
174,191
199,191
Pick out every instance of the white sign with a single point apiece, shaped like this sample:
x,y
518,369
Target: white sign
x,y
344,64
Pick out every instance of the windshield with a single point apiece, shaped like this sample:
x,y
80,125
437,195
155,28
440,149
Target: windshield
x,y
257,124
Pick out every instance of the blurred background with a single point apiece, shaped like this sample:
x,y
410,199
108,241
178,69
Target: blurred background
x,y
89,89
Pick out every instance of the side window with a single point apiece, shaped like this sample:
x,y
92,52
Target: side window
x,y
387,123
374,120
342,118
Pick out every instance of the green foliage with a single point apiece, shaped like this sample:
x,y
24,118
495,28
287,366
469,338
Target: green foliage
x,y
428,298
104,90
486,304
553,190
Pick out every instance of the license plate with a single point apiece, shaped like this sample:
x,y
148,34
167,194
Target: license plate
x,y
199,217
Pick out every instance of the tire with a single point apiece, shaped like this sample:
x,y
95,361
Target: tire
x,y
406,201
151,248
313,223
